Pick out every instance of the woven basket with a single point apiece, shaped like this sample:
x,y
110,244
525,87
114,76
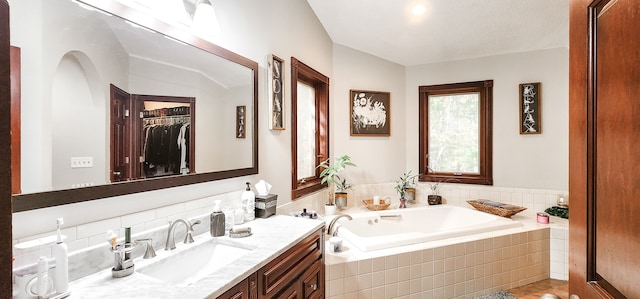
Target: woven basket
x,y
384,204
504,210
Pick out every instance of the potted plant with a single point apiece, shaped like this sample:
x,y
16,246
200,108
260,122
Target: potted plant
x,y
405,182
341,195
330,175
434,198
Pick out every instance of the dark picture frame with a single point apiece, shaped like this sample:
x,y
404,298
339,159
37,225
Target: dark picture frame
x,y
276,93
241,125
370,113
530,108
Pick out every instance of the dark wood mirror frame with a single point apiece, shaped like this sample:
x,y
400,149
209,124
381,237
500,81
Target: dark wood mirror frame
x,y
26,202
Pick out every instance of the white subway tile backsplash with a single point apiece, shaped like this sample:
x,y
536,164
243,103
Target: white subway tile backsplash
x,y
99,227
138,218
170,210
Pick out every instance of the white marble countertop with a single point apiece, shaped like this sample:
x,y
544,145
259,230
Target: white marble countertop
x,y
270,238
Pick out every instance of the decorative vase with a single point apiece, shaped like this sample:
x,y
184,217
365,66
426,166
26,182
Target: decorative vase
x,y
341,199
330,209
410,195
403,203
434,199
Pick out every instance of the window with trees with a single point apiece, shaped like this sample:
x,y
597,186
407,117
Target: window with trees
x,y
455,131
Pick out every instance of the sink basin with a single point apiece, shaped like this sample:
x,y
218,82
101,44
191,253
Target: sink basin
x,y
193,264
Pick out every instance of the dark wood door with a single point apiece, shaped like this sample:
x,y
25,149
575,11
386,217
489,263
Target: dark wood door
x,y
120,135
605,149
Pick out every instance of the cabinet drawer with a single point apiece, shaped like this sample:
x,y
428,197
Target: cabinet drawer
x,y
289,266
312,282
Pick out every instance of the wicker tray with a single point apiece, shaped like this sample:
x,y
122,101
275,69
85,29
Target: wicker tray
x,y
384,204
495,208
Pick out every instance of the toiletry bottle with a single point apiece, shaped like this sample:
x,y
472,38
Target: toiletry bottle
x,y
60,253
238,216
228,217
249,203
42,286
217,225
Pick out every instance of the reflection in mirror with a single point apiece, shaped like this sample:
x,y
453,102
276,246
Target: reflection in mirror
x,y
94,85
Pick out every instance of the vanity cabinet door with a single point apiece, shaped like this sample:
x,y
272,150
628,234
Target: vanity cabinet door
x,y
246,289
288,271
312,286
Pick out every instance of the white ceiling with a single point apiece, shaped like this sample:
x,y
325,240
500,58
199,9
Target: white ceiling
x,y
449,30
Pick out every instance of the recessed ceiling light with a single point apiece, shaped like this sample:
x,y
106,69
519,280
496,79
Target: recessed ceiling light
x,y
418,10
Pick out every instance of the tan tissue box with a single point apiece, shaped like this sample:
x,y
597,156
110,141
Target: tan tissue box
x,y
266,205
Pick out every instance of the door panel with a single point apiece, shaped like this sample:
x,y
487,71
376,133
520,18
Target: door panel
x,y
15,119
617,147
604,161
120,135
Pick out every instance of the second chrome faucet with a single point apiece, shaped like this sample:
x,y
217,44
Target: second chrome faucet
x,y
188,238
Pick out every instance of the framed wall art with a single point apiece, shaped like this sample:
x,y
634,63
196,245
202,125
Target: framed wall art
x,y
370,113
276,93
530,108
241,112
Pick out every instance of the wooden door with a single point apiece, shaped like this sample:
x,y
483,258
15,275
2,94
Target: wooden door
x,y
604,182
120,135
15,119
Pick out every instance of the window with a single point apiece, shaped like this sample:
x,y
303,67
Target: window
x,y
455,130
310,127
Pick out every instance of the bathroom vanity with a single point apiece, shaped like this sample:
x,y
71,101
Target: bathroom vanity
x,y
284,258
298,273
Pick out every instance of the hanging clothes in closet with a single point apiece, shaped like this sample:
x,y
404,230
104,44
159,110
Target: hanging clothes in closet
x,y
166,144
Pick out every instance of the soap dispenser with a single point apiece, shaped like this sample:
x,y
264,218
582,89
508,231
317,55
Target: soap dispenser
x,y
216,227
249,203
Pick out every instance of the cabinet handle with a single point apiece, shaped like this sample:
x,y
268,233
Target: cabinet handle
x,y
314,286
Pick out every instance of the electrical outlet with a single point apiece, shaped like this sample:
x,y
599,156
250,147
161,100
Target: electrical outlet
x,y
81,162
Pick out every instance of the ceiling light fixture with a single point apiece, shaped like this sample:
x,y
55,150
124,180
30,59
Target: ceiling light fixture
x,y
418,10
205,22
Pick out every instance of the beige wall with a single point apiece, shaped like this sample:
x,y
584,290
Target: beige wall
x,y
519,161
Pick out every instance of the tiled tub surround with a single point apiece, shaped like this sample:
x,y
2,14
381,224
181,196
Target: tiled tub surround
x,y
535,200
461,267
267,242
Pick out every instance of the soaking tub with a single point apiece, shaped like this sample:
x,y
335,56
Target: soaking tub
x,y
384,229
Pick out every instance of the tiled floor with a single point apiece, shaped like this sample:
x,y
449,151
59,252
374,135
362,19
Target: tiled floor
x,y
537,289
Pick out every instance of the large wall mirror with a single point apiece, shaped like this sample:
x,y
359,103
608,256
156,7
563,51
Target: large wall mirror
x,y
103,86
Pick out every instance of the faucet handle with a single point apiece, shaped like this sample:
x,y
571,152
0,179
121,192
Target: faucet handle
x,y
149,252
189,237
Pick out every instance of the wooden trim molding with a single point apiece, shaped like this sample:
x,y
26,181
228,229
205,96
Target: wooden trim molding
x,y
485,176
6,254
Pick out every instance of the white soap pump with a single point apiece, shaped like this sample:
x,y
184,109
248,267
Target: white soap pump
x,y
249,203
60,253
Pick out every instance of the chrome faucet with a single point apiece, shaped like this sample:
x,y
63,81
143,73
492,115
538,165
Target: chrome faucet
x,y
333,222
171,243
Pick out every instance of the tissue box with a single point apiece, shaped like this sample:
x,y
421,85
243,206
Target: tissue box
x,y
266,205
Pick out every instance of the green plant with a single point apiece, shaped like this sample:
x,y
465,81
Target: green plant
x,y
406,180
435,188
342,185
331,171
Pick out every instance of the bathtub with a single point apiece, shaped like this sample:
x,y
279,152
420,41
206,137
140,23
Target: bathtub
x,y
385,229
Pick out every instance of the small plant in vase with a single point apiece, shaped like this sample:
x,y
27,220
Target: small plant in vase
x,y
341,195
434,198
330,175
404,187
